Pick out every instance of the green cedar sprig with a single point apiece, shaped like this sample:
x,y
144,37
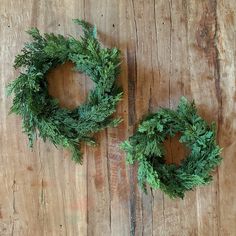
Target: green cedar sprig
x,y
146,148
40,112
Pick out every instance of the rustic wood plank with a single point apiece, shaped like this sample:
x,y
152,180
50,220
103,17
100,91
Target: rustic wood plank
x,y
169,48
204,51
172,63
226,42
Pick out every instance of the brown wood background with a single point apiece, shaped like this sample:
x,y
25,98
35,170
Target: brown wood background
x,y
169,48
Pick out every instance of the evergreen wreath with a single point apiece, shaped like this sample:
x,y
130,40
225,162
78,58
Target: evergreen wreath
x,y
146,148
41,113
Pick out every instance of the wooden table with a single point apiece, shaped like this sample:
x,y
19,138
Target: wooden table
x,y
169,48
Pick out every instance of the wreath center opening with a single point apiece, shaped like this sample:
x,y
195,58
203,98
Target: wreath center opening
x,y
69,87
174,150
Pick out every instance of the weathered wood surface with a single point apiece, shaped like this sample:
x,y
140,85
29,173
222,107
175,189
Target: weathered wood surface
x,y
169,48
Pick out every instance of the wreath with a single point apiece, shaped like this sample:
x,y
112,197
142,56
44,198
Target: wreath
x,y
41,114
146,148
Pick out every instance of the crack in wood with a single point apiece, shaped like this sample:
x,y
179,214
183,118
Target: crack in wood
x,y
217,73
13,196
42,195
109,182
13,205
132,201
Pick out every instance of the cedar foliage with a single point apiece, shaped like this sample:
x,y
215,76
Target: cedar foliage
x,y
146,148
40,112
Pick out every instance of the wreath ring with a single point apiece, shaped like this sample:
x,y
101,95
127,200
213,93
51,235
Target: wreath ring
x,y
146,148
41,113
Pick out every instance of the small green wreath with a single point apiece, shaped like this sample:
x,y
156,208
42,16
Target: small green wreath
x,y
39,111
146,148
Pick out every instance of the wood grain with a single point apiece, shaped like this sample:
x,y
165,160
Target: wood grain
x,y
169,49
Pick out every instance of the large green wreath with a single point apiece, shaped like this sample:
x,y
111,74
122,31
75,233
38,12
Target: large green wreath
x,y
39,111
146,148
